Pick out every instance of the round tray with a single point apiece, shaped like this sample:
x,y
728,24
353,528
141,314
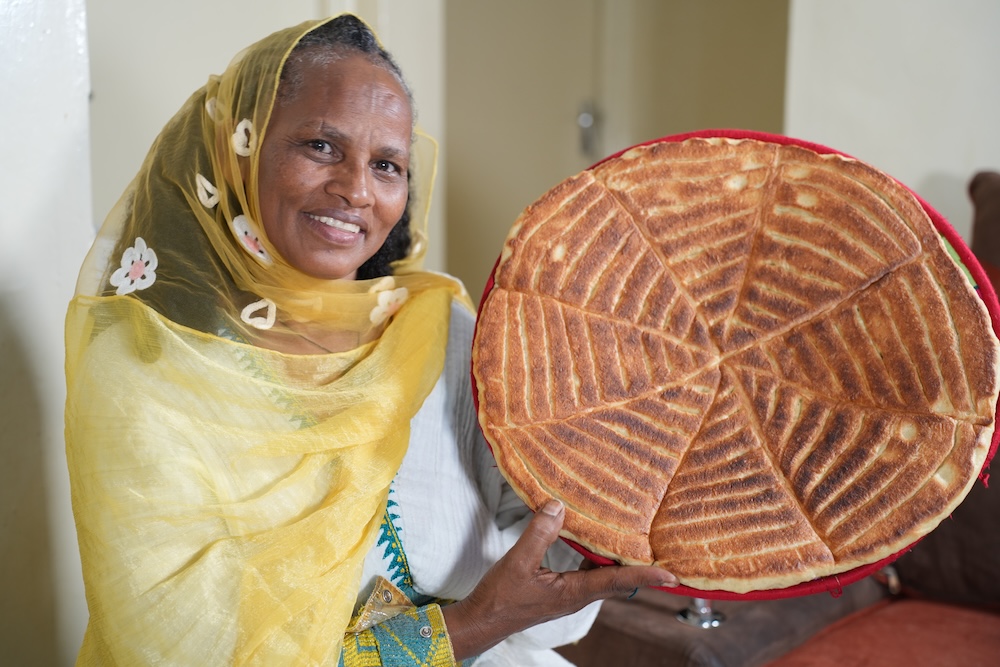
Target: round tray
x,y
984,288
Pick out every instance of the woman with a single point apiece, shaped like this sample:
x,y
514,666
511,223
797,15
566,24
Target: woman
x,y
251,351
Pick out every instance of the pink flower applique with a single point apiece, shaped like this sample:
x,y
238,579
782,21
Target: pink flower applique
x,y
389,301
249,237
138,269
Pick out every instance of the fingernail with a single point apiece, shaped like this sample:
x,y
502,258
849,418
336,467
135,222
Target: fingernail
x,y
553,507
669,581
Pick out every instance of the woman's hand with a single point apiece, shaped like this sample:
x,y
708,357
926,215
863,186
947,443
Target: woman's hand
x,y
518,593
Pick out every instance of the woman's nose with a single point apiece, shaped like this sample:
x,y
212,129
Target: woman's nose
x,y
351,181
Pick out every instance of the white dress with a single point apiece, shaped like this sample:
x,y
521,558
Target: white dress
x,y
455,515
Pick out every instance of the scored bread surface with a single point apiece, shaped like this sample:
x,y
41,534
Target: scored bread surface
x,y
747,362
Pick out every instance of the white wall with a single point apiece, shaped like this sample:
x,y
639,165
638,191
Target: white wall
x,y
910,86
45,227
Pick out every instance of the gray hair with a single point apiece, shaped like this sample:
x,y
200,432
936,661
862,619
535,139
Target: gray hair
x,y
343,36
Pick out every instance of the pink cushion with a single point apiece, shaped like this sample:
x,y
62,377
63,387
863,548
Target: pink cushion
x,y
912,633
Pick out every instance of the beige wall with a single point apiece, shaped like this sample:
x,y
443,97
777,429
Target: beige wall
x,y
518,71
910,86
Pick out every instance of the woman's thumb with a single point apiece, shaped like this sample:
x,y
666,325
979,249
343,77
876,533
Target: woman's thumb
x,y
541,532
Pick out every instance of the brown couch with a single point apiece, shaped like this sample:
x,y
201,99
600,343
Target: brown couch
x,y
937,605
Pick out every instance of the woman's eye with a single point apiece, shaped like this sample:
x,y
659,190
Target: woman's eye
x,y
321,146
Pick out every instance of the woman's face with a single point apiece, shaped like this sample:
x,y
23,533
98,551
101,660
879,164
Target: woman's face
x,y
333,164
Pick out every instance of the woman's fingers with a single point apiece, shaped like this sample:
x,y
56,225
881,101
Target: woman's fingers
x,y
612,580
540,534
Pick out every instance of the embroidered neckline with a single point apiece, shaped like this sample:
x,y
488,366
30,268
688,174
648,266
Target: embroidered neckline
x,y
397,566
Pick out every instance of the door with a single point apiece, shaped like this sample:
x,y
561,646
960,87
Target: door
x,y
518,73
521,77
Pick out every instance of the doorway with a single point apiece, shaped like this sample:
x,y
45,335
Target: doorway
x,y
521,77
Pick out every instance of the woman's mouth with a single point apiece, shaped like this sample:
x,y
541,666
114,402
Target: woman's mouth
x,y
336,224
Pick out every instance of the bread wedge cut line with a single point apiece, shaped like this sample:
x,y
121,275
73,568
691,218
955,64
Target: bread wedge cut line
x,y
589,395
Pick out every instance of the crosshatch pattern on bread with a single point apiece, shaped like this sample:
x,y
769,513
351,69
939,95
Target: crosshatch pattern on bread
x,y
750,363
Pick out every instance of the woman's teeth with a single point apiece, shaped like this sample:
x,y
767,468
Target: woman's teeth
x,y
333,222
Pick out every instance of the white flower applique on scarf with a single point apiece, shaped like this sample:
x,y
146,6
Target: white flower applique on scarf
x,y
252,314
212,109
138,269
248,235
390,300
245,138
208,194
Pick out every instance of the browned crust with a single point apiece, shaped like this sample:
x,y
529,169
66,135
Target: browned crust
x,y
750,363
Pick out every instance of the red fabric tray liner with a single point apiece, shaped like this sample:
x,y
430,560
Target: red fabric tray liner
x,y
834,583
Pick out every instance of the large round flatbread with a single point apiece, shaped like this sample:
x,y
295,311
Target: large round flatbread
x,y
750,363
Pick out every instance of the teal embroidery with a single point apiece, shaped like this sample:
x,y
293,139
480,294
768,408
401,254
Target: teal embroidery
x,y
397,566
402,642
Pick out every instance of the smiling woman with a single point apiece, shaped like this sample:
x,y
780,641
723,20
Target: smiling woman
x,y
272,446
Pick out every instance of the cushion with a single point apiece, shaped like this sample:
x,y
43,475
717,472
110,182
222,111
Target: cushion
x,y
960,560
915,633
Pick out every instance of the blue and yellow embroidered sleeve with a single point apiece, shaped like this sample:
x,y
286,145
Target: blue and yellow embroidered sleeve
x,y
415,637
390,630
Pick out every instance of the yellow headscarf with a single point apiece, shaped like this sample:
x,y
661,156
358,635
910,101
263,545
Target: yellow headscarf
x,y
226,493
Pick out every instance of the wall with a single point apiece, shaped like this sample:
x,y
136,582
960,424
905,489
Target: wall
x,y
45,226
519,71
910,86
512,103
698,65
